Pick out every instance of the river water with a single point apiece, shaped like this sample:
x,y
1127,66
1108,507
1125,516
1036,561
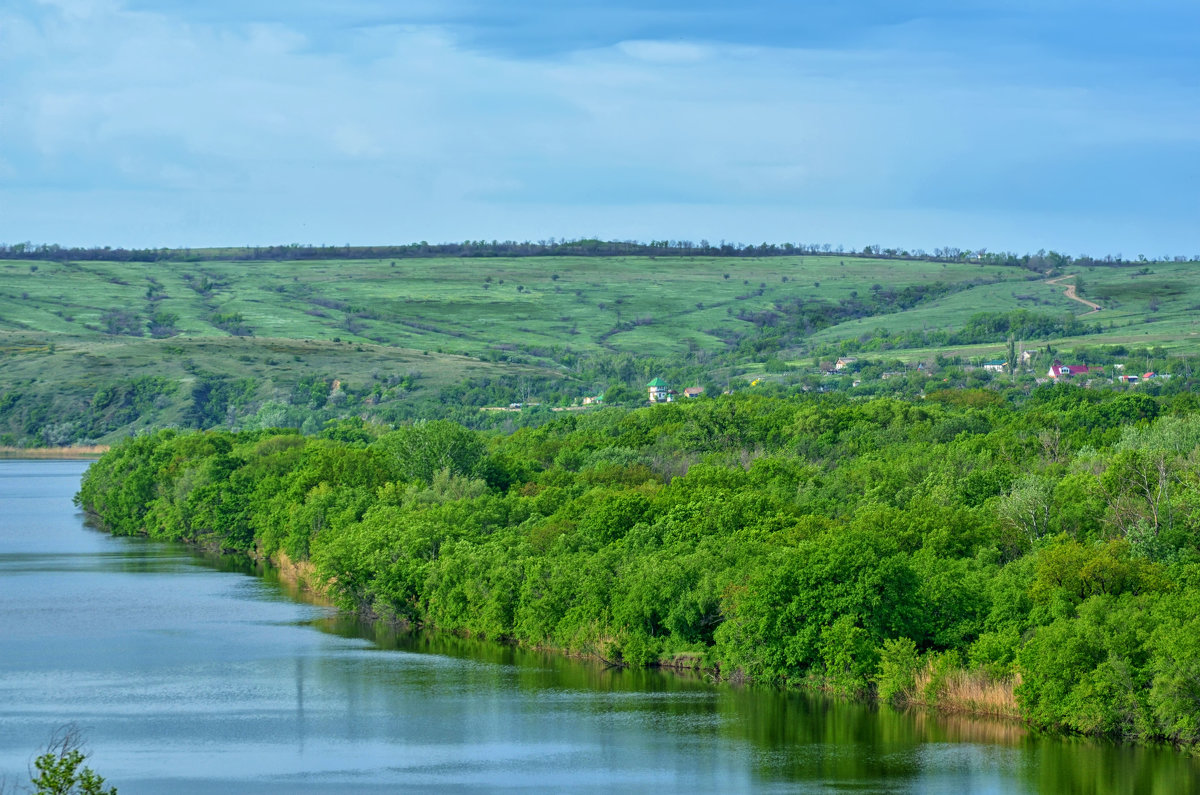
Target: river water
x,y
186,675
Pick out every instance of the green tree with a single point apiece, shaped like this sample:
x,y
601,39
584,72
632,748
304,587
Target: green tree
x,y
420,451
899,663
59,771
1026,509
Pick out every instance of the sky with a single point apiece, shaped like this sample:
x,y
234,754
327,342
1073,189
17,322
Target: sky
x,y
1008,125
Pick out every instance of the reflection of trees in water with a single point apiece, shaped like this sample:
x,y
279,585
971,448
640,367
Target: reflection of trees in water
x,y
790,736
957,728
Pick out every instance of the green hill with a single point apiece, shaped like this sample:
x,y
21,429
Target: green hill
x,y
94,349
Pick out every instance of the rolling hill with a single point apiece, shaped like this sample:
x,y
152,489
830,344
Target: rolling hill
x,y
94,349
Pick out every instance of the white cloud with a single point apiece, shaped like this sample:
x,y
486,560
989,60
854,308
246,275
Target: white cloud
x,y
404,123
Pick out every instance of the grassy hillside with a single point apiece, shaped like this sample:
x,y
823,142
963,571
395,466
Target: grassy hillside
x,y
403,331
469,306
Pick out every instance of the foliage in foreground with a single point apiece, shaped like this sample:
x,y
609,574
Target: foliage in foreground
x,y
60,770
916,550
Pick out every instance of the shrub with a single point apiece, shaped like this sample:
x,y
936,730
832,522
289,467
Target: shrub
x,y
897,670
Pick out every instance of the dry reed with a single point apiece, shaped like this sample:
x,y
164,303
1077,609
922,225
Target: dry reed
x,y
73,451
956,690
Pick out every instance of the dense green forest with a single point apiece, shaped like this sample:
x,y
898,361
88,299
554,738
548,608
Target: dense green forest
x,y
1033,556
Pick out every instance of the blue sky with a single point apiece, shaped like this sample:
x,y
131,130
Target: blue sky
x,y
1018,125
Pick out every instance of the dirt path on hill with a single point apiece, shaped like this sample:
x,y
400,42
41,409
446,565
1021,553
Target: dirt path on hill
x,y
1070,293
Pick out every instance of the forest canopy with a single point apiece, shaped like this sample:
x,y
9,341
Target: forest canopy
x,y
1039,560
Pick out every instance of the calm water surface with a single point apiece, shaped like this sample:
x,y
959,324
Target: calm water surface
x,y
187,676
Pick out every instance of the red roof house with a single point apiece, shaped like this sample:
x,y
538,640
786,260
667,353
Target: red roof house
x,y
1058,370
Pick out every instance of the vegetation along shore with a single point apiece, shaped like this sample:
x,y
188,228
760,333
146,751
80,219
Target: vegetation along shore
x,y
1031,555
66,451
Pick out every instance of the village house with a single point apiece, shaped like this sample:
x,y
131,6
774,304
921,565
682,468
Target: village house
x,y
659,391
693,391
1127,379
995,365
593,400
1058,370
843,362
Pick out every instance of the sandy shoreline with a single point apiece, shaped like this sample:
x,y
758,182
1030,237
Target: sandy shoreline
x,y
76,451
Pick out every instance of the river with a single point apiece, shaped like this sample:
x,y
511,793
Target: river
x,y
187,675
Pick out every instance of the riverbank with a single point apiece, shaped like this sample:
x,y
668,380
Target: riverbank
x,y
85,452
958,691
786,554
986,707
935,688
298,576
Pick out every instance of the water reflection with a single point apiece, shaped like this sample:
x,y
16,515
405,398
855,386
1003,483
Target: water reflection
x,y
791,738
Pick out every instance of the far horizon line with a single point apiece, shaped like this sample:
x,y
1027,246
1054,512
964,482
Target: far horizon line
x,y
582,246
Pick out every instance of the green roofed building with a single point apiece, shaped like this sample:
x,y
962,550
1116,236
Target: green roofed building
x,y
659,391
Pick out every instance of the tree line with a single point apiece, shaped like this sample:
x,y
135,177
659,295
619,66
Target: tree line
x,y
1040,261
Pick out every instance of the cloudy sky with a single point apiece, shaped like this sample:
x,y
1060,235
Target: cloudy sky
x,y
1007,124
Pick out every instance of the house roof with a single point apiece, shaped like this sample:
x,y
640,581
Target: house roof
x,y
657,382
1000,362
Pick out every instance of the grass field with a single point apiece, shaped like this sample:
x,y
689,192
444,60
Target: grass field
x,y
635,304
472,306
70,325
1158,308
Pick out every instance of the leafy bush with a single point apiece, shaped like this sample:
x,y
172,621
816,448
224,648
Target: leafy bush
x,y
899,662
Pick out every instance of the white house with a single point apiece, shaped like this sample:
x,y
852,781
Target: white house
x,y
659,391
